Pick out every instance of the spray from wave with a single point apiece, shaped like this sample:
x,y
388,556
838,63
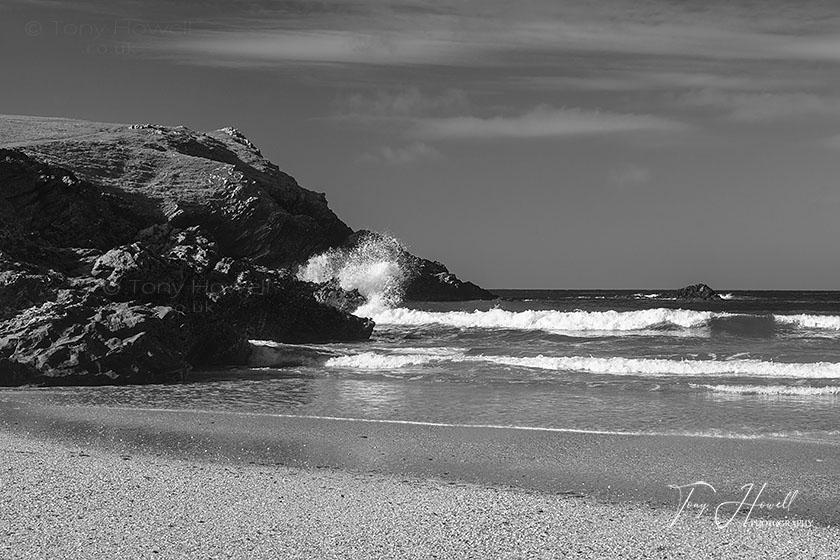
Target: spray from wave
x,y
374,266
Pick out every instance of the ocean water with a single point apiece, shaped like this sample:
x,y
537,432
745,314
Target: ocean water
x,y
754,365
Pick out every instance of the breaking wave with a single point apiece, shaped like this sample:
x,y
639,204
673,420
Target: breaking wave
x,y
372,267
648,367
372,360
827,322
556,321
642,367
770,390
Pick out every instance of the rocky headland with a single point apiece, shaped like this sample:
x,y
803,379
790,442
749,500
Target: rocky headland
x,y
134,253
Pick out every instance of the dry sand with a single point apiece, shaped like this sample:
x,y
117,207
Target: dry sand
x,y
63,500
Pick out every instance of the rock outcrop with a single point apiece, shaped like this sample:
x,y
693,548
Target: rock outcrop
x,y
131,254
697,292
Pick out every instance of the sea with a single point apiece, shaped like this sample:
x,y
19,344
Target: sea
x,y
755,364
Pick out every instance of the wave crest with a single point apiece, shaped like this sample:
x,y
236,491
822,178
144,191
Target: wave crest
x,y
641,367
827,322
554,321
652,367
770,390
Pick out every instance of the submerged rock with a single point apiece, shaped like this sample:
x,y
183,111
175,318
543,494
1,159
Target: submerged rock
x,y
697,291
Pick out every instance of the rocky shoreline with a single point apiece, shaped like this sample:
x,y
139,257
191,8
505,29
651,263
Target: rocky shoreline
x,y
131,254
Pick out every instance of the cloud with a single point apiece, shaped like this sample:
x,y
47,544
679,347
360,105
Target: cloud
x,y
482,32
764,106
317,46
833,142
402,155
631,175
403,103
541,122
652,80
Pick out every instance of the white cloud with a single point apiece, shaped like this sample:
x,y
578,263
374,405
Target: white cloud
x,y
317,46
833,142
764,106
402,103
541,122
649,80
402,155
631,175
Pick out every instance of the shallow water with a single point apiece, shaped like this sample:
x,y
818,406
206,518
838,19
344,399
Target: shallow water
x,y
758,364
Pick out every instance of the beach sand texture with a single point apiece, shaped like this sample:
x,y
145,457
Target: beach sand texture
x,y
65,498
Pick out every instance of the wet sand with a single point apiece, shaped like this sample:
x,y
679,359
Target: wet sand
x,y
87,483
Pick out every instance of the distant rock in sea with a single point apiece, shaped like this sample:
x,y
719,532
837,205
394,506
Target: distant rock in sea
x,y
697,292
131,254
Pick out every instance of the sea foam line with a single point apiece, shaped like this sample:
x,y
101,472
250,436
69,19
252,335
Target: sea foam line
x,y
643,367
783,390
441,424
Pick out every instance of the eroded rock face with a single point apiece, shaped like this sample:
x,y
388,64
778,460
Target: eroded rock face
x,y
170,175
697,291
333,295
226,301
106,239
81,339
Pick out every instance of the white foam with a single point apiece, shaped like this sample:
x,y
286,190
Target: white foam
x,y
372,268
555,321
659,367
642,367
828,322
770,390
373,360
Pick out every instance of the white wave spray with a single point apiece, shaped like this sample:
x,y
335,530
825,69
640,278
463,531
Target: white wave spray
x,y
373,267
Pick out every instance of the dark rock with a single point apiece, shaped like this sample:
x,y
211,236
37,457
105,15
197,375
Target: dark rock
x,y
225,305
333,295
75,341
43,206
172,175
432,281
24,285
697,291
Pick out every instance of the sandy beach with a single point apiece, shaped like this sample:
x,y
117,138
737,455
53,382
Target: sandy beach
x,y
100,483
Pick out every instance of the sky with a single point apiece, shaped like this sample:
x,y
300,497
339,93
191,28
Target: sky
x,y
527,144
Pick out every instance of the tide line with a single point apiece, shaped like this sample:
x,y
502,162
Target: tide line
x,y
437,424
